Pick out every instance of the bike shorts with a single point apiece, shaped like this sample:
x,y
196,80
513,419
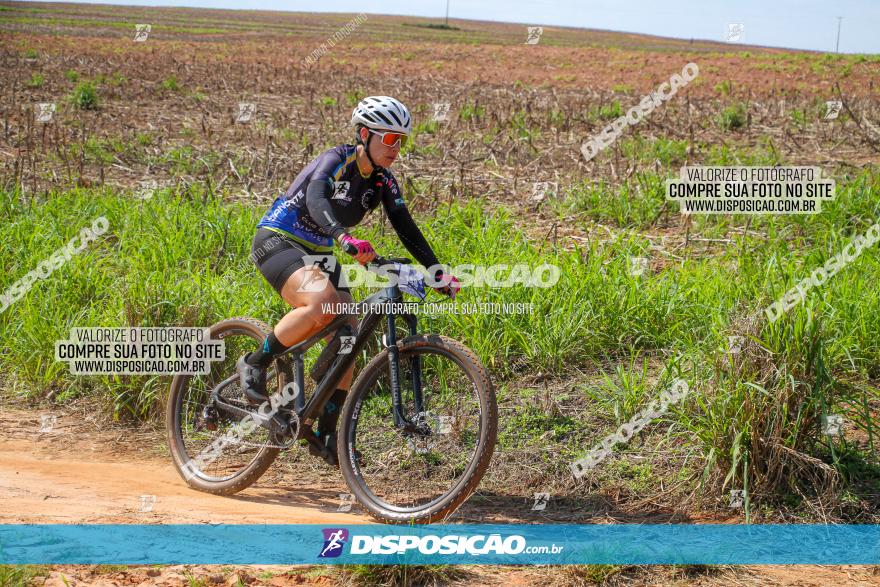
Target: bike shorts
x,y
277,257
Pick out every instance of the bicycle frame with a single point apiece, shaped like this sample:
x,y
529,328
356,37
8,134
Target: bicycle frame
x,y
308,411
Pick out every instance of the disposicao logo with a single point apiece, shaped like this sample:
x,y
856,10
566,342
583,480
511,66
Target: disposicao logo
x,y
334,540
447,544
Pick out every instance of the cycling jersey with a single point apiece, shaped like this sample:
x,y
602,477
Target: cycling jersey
x,y
331,195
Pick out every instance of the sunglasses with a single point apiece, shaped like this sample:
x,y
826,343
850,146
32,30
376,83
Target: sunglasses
x,y
391,139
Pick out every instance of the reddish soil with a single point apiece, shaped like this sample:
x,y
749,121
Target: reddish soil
x,y
88,472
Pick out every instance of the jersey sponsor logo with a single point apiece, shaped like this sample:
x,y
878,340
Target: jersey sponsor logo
x,y
365,199
295,200
280,210
390,183
340,191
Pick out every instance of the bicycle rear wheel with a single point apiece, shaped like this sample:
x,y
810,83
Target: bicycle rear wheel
x,y
422,477
243,456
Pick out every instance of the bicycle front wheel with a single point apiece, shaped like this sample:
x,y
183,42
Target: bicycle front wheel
x,y
419,476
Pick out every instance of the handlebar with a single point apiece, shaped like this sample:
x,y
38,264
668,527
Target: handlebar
x,y
377,260
350,249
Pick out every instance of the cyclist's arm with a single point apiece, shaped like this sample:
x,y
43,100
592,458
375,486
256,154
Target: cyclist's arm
x,y
320,189
405,226
318,195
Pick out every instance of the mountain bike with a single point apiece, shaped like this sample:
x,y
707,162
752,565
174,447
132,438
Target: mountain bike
x,y
416,432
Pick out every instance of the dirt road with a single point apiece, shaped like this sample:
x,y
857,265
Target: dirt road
x,y
69,473
66,467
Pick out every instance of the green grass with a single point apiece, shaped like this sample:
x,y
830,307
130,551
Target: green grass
x,y
185,160
635,204
93,23
804,349
365,575
638,202
170,83
471,111
181,259
93,151
36,81
354,96
144,139
115,80
85,96
606,111
733,117
593,574
532,421
427,127
17,575
671,153
724,88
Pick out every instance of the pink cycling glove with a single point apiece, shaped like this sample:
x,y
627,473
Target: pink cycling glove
x,y
361,250
449,285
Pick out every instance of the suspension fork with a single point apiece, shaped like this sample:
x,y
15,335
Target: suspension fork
x,y
394,371
413,323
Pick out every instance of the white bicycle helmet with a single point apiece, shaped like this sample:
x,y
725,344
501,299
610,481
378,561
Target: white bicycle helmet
x,y
382,113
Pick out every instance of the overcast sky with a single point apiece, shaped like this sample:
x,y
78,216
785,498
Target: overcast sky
x,y
808,24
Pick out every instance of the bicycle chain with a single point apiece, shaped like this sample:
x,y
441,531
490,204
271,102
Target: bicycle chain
x,y
260,444
266,444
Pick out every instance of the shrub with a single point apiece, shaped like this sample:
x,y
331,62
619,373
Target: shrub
x,y
732,117
36,81
85,96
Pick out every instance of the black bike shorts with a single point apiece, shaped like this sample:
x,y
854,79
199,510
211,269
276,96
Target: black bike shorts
x,y
277,257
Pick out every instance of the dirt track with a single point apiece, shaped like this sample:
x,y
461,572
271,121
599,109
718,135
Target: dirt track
x,y
94,477
85,471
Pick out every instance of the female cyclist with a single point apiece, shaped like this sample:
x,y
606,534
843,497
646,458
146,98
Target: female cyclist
x,y
332,194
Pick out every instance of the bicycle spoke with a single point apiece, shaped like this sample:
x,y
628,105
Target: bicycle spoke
x,y
412,470
196,437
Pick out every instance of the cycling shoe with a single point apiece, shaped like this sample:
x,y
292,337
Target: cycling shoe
x,y
252,380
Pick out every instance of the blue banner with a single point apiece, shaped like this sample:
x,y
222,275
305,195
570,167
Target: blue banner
x,y
717,544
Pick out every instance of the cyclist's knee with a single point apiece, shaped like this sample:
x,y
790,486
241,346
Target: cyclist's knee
x,y
322,309
322,319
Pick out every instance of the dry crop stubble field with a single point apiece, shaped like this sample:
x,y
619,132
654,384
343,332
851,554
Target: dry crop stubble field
x,y
152,132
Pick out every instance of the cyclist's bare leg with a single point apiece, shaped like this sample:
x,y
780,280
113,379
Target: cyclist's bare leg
x,y
309,316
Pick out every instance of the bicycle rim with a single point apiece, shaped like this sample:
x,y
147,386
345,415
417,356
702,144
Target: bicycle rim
x,y
414,475
219,456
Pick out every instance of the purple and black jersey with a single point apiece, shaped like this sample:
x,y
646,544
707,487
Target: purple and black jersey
x,y
331,195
